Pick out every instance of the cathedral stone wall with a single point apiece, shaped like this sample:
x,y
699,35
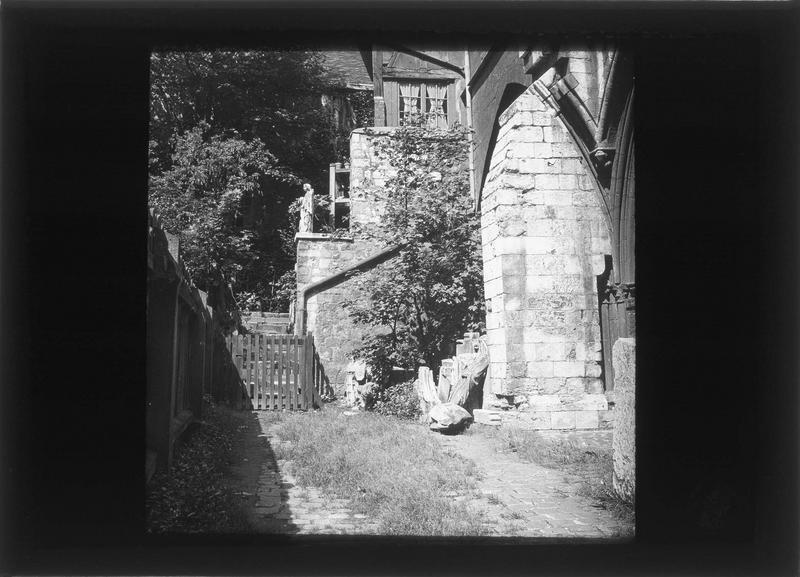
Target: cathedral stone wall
x,y
544,244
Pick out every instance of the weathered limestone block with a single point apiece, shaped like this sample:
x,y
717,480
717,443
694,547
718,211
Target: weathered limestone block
x,y
586,420
563,419
624,441
544,402
606,419
555,402
541,420
487,417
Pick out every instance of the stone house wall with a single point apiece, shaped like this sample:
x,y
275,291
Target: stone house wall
x,y
335,335
544,240
321,255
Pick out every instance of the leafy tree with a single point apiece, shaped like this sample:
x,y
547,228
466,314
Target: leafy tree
x,y
212,197
271,95
425,298
233,137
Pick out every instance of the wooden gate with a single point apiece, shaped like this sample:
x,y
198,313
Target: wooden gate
x,y
279,371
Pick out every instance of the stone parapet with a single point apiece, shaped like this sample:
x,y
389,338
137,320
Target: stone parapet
x,y
321,236
541,420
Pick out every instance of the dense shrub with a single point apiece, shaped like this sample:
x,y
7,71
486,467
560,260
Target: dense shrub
x,y
399,400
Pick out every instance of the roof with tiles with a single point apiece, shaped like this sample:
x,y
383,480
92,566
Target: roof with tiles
x,y
347,65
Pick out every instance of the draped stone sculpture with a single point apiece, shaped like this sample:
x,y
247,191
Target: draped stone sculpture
x,y
307,210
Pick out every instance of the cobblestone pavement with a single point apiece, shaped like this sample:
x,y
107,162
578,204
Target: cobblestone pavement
x,y
524,499
280,506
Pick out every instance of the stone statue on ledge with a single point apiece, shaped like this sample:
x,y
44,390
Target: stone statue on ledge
x,y
307,210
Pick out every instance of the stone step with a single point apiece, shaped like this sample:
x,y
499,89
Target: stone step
x,y
267,328
266,323
256,314
270,328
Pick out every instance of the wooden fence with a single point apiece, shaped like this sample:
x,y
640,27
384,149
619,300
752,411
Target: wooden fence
x,y
278,371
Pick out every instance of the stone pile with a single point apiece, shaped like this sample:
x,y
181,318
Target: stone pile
x,y
448,406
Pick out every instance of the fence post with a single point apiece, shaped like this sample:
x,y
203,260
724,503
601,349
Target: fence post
x,y
239,363
297,370
308,366
269,357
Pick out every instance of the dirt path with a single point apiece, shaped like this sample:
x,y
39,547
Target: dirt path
x,y
527,500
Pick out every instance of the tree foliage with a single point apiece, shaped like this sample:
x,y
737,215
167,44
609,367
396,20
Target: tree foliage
x,y
425,298
233,136
214,198
271,95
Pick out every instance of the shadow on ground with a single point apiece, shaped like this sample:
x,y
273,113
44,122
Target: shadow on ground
x,y
255,470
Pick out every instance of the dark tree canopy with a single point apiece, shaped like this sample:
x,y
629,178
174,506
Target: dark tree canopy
x,y
233,136
274,96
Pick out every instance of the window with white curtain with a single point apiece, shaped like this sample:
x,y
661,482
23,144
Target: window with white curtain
x,y
409,100
425,98
436,105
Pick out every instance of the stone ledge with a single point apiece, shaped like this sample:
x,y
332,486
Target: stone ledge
x,y
487,417
590,402
543,420
321,236
376,130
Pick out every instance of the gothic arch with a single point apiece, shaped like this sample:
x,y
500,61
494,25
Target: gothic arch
x,y
512,91
607,146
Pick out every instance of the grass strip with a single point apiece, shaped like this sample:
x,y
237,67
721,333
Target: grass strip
x,y
593,464
390,470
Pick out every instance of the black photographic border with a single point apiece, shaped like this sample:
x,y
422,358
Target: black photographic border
x,y
716,124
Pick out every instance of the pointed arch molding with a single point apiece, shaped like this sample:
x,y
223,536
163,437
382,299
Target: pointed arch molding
x,y
608,149
623,192
543,92
606,143
511,92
